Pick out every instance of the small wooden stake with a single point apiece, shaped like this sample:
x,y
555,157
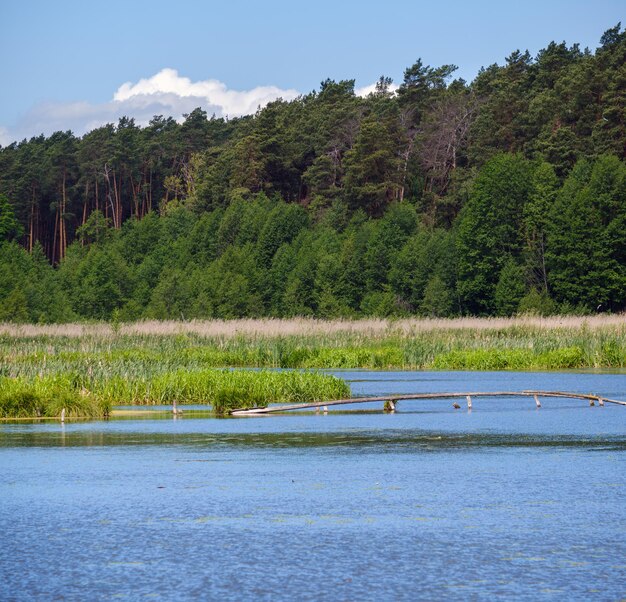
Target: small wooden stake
x,y
537,402
469,402
600,401
389,406
317,410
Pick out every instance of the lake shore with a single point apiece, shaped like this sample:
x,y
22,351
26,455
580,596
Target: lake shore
x,y
507,483
89,368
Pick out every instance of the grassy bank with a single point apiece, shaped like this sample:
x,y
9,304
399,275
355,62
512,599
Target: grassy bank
x,y
82,395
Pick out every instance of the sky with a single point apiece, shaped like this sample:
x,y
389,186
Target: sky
x,y
70,64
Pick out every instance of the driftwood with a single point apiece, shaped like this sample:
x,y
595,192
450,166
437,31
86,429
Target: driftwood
x,y
393,399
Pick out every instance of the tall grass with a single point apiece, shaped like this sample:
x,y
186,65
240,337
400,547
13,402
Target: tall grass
x,y
304,327
223,389
81,395
163,362
47,397
514,346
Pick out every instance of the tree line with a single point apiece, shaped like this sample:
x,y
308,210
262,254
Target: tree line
x,y
501,195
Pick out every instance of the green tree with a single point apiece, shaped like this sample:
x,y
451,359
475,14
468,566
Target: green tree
x,y
438,300
586,240
511,288
490,229
283,224
103,284
371,167
536,216
9,226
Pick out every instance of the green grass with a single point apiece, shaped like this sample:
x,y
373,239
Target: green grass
x,y
223,390
41,373
144,355
47,396
511,359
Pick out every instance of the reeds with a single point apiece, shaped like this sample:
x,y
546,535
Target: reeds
x,y
305,327
156,364
84,396
223,389
47,397
515,346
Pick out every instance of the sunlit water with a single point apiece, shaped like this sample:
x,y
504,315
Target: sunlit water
x,y
428,503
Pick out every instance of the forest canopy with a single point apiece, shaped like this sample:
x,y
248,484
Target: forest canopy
x,y
443,198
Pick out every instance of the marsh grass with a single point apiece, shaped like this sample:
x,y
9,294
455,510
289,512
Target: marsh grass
x,y
86,396
223,389
597,343
306,327
47,396
158,363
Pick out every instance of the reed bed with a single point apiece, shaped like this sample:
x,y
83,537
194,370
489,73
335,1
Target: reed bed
x,y
269,327
223,389
84,396
46,397
89,368
599,343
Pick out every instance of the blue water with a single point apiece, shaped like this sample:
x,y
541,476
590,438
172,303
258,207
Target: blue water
x,y
425,504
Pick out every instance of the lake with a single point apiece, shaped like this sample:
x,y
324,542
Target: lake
x,y
428,503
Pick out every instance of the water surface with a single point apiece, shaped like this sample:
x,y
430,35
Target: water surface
x,y
428,503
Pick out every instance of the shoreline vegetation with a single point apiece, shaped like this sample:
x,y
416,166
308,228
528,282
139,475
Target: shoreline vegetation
x,y
83,395
304,326
89,368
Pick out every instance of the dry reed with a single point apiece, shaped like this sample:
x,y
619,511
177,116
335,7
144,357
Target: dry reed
x,y
268,327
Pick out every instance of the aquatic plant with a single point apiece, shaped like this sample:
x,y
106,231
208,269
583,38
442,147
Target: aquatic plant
x,y
223,390
48,397
162,365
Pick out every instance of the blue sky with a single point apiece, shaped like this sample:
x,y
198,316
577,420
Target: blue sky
x,y
64,62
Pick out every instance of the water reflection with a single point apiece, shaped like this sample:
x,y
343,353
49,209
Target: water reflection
x,y
396,441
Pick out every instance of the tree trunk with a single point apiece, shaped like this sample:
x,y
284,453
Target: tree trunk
x,y
54,238
85,203
31,224
116,210
62,227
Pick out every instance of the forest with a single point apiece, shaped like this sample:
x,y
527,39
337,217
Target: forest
x,y
500,196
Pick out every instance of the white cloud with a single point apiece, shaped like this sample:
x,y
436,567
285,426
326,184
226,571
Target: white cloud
x,y
166,93
168,84
5,137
